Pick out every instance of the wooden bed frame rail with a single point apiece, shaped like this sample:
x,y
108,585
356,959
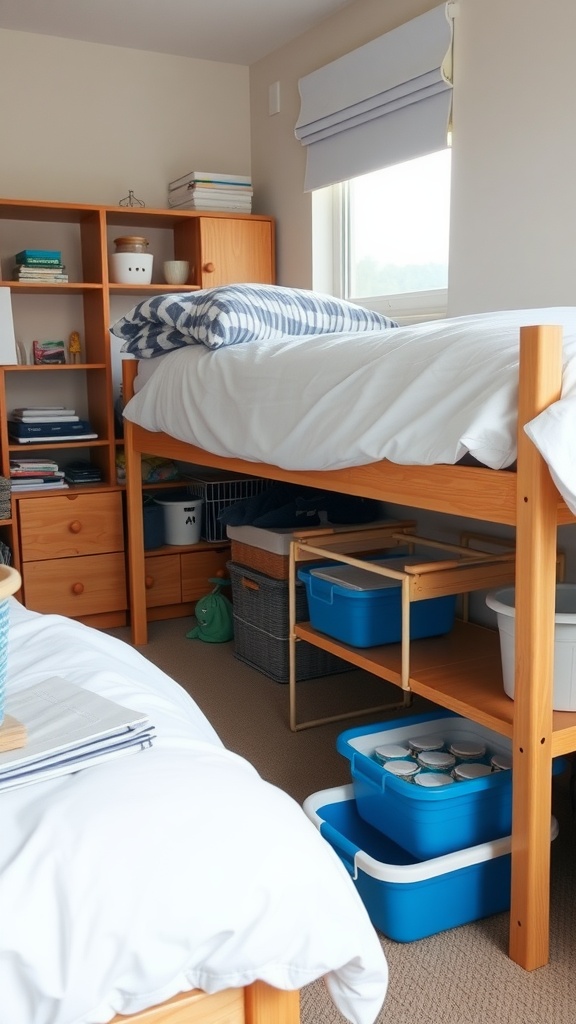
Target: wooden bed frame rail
x,y
526,499
257,1004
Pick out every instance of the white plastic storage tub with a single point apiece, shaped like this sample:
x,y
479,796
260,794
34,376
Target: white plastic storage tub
x,y
408,898
430,822
182,517
502,602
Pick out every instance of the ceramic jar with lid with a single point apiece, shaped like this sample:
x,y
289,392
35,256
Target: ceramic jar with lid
x,y
131,263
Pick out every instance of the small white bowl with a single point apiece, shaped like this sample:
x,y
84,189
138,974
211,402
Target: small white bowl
x,y
176,271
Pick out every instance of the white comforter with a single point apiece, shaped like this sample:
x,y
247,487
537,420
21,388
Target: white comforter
x,y
176,868
420,395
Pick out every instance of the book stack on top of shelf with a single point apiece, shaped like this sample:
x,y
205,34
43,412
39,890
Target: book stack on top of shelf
x,y
40,425
39,266
208,190
36,474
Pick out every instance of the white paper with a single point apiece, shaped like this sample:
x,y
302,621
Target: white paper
x,y
8,354
68,729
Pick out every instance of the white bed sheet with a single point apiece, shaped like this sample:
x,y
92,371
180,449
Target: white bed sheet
x,y
176,868
420,395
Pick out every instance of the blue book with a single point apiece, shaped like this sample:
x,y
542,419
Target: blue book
x,y
54,428
38,254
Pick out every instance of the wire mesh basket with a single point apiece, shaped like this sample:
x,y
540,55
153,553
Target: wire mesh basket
x,y
218,492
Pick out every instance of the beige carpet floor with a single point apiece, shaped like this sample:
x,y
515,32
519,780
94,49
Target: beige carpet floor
x,y
461,976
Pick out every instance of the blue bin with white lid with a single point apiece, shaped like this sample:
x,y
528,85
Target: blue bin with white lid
x,y
408,898
431,822
364,609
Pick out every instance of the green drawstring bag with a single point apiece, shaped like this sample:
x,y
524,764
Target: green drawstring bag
x,y
214,616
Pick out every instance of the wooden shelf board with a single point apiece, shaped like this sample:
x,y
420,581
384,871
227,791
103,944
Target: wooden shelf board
x,y
55,368
461,671
50,445
154,288
48,287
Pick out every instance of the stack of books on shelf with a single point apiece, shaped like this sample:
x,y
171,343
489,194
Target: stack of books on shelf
x,y
207,190
39,266
36,474
44,424
82,472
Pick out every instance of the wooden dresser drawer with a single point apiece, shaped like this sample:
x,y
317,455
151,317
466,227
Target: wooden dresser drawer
x,y
77,587
71,524
162,575
197,567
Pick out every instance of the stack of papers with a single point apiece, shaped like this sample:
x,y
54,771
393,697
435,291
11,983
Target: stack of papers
x,y
69,729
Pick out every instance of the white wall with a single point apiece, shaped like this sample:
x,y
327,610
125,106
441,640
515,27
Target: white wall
x,y
513,238
82,122
278,159
513,226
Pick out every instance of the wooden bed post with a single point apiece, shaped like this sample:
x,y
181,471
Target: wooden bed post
x,y
135,515
266,1005
537,501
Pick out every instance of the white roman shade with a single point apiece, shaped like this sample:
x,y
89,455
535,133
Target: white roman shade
x,y
381,104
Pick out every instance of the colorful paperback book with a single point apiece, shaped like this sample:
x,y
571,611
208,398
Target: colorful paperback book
x,y
54,255
213,195
39,485
54,410
55,438
48,352
33,466
210,176
196,186
37,274
45,418
40,266
40,269
27,474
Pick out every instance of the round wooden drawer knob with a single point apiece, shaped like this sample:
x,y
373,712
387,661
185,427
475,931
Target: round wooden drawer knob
x,y
75,526
209,268
149,582
77,588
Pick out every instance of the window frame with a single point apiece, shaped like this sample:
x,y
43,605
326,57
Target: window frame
x,y
404,307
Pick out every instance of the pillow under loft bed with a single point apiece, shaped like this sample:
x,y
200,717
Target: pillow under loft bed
x,y
235,315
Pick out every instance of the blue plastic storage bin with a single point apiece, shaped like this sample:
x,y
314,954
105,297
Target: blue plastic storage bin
x,y
371,614
430,822
408,898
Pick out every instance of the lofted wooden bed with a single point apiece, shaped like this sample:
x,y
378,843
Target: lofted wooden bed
x,y
525,499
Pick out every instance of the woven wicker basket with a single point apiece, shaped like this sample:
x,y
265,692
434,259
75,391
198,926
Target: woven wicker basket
x,y
10,582
269,562
261,628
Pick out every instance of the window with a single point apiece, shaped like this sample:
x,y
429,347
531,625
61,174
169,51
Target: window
x,y
392,233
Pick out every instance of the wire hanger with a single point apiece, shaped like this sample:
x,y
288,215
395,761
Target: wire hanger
x,y
131,200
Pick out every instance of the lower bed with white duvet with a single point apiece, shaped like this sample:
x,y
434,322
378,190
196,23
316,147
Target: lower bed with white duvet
x,y
176,868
